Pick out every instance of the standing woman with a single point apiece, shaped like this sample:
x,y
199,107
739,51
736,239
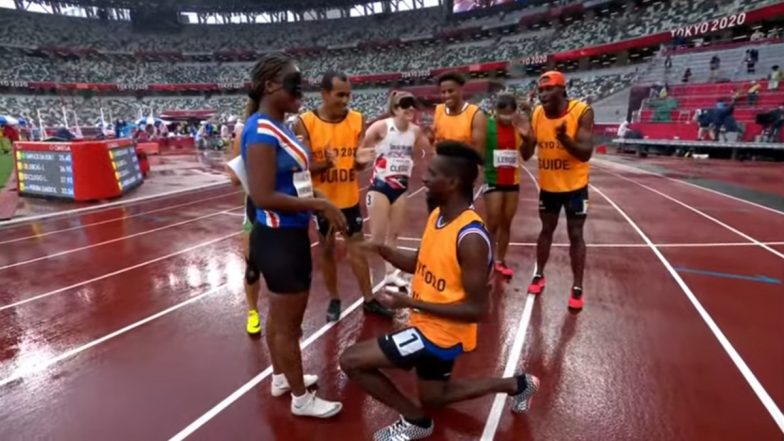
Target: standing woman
x,y
251,281
391,144
502,176
280,188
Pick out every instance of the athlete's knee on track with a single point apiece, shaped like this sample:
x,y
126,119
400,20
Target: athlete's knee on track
x,y
432,399
351,360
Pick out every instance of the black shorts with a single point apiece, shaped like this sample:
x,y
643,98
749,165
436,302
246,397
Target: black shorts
x,y
409,349
575,202
502,189
392,194
282,256
353,219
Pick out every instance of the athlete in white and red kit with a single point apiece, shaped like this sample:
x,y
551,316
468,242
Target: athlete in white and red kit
x,y
391,143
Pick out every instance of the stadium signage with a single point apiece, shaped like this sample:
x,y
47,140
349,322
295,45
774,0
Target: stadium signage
x,y
424,73
6,83
717,24
534,60
231,85
132,86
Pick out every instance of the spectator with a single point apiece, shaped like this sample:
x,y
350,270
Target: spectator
x,y
687,75
757,35
753,93
704,119
715,62
752,56
774,78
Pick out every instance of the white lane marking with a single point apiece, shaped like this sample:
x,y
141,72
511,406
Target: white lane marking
x,y
494,417
119,218
253,382
701,213
109,204
710,190
120,271
748,375
118,239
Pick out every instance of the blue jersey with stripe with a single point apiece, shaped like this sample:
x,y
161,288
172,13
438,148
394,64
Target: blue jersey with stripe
x,y
291,157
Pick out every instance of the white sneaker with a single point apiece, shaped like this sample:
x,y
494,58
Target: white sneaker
x,y
314,406
280,385
395,279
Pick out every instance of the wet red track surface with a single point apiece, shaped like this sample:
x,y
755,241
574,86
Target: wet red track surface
x,y
128,323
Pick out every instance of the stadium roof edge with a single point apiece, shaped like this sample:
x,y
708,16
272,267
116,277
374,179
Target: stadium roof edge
x,y
217,6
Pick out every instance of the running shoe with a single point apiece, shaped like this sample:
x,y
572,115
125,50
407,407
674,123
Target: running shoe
x,y
395,279
501,268
374,307
333,310
280,385
254,323
537,285
314,406
576,301
522,401
403,430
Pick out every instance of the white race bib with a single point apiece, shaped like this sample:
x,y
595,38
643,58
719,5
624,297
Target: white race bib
x,y
399,166
408,341
505,158
303,184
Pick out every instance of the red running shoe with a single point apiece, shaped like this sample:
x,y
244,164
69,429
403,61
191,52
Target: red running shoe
x,y
501,268
537,285
576,301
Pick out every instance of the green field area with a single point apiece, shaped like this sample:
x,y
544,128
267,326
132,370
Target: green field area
x,y
6,166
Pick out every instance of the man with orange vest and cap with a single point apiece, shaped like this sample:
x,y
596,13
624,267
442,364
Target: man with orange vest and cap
x,y
562,129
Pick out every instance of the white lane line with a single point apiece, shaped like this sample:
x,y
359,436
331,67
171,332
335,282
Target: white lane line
x,y
491,426
235,214
748,375
629,245
119,218
611,164
705,215
494,417
75,351
39,367
106,242
120,271
253,382
110,204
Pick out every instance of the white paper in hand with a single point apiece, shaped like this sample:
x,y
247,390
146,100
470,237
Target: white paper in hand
x,y
237,165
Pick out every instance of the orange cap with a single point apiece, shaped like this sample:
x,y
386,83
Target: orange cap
x,y
552,78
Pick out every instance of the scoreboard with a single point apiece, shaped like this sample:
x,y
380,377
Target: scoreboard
x,y
80,171
126,168
45,173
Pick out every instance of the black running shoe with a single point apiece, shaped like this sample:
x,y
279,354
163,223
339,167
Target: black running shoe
x,y
333,310
374,307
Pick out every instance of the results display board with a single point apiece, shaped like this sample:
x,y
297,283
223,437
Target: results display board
x,y
79,170
45,173
126,167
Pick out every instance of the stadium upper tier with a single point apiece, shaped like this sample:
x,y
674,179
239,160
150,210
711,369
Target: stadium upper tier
x,y
116,64
371,102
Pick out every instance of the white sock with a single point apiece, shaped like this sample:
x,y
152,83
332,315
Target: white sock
x,y
299,401
279,379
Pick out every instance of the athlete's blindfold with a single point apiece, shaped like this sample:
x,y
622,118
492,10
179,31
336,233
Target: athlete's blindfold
x,y
291,84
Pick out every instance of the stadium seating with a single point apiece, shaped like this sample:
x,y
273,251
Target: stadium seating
x,y
29,45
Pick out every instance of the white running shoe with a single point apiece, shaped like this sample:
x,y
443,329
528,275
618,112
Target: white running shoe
x,y
314,406
280,387
395,279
